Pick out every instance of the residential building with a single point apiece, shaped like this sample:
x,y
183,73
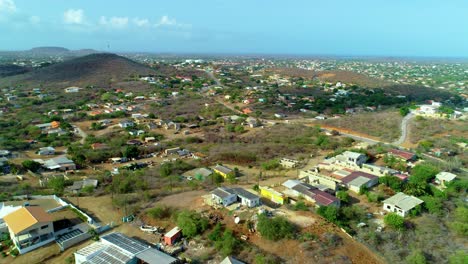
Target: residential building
x,y
46,151
126,123
401,204
117,248
59,163
442,178
72,89
319,180
231,260
172,236
274,196
351,158
30,227
223,196
403,155
357,179
288,163
300,189
246,198
223,170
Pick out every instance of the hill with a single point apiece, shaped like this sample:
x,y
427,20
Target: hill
x,y
49,50
96,69
11,69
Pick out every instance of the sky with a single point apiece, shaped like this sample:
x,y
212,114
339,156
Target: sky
x,y
423,28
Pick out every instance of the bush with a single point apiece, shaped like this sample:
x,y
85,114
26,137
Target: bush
x,y
159,212
275,228
271,165
394,221
416,257
329,212
301,206
31,165
343,196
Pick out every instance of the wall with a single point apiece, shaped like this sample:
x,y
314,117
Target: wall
x,y
73,241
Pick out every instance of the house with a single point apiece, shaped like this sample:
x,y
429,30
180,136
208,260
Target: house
x,y
288,163
223,170
320,198
401,204
356,179
126,123
30,227
320,181
351,157
72,89
59,163
199,174
231,260
403,155
117,248
273,195
442,178
172,236
46,151
280,115
4,211
223,196
79,185
252,122
246,198
170,151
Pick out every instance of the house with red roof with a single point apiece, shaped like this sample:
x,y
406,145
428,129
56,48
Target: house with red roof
x,y
403,155
312,194
357,179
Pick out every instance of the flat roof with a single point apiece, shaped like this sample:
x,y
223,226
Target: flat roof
x,y
403,201
172,232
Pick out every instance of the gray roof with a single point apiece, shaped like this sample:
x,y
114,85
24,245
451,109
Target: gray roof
x,y
231,260
154,256
403,201
223,169
245,194
204,172
222,192
359,181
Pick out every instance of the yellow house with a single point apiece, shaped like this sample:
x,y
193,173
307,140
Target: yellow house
x,y
30,227
273,195
223,171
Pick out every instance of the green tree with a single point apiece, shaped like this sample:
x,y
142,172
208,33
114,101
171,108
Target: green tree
x,y
343,196
394,221
228,243
329,212
57,184
423,173
404,111
191,223
131,152
31,165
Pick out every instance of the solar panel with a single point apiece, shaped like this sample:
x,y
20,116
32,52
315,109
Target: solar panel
x,y
128,244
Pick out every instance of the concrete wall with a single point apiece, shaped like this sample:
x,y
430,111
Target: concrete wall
x,y
73,241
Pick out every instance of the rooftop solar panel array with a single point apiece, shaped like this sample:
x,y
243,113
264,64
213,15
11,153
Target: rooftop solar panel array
x,y
130,245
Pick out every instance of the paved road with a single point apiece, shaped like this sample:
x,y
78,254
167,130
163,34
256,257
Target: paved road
x,y
211,75
404,129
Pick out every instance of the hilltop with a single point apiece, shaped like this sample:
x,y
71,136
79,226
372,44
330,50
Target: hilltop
x,y
96,69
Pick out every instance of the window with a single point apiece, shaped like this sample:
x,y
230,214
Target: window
x,y
44,227
388,207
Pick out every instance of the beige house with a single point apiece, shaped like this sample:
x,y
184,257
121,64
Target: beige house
x,y
30,227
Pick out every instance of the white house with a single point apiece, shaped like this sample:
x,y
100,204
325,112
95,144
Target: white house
x,y
288,163
246,198
401,204
46,151
442,178
126,123
223,196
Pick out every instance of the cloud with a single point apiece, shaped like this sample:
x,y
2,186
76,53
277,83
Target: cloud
x,y
74,16
7,6
166,21
141,22
34,20
115,22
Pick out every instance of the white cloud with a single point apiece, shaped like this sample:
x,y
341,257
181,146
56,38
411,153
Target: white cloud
x,y
34,19
115,22
7,6
74,16
166,21
141,22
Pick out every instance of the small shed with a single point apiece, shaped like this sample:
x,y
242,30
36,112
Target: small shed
x,y
171,237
